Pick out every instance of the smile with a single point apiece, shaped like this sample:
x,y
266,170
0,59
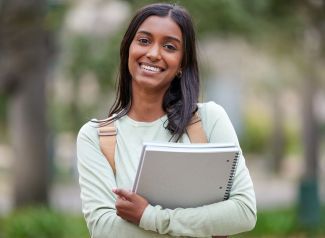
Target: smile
x,y
151,68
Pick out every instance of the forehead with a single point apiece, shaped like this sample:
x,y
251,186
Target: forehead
x,y
164,26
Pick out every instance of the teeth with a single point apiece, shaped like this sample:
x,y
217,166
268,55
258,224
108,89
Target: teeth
x,y
150,68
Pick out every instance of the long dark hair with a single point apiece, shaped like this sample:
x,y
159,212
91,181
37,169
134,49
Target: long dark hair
x,y
180,100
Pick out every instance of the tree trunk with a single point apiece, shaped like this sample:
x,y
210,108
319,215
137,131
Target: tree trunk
x,y
313,45
25,52
310,130
309,202
28,134
278,138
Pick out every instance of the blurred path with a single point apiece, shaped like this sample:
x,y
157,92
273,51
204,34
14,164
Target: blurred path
x,y
271,191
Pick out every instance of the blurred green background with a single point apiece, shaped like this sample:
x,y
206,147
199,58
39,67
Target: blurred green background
x,y
262,60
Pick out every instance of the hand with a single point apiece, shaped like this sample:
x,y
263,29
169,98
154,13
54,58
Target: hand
x,y
129,205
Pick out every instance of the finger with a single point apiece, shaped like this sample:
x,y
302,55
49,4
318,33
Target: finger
x,y
122,193
122,204
119,197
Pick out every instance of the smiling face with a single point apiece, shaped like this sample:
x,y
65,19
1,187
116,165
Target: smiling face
x,y
155,54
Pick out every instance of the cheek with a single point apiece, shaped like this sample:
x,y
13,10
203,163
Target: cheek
x,y
135,51
132,59
175,62
131,56
130,66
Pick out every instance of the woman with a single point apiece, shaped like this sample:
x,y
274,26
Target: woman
x,y
156,99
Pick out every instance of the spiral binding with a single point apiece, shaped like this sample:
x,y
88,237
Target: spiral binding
x,y
231,177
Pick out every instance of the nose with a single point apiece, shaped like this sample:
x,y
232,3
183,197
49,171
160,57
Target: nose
x,y
153,53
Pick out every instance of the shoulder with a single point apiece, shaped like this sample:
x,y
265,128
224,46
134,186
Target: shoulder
x,y
214,119
211,112
89,131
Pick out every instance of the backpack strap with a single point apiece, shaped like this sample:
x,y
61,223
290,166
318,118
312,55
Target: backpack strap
x,y
107,142
195,130
107,137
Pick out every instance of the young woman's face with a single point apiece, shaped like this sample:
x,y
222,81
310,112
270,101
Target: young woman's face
x,y
155,54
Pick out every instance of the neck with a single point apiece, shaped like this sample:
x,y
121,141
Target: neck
x,y
146,106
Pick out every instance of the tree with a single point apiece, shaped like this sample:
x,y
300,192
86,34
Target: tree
x,y
313,45
25,46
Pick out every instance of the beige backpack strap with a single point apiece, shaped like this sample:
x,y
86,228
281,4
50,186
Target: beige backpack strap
x,y
107,137
195,130
107,142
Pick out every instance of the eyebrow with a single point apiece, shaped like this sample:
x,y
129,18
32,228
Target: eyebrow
x,y
168,37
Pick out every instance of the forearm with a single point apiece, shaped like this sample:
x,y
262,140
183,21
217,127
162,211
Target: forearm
x,y
109,225
224,218
238,214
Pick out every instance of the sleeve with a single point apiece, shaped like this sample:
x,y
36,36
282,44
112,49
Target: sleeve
x,y
96,181
233,216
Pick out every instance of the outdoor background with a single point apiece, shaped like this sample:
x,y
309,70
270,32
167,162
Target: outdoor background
x,y
262,60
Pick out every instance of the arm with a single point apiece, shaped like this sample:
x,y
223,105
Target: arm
x,y
236,215
96,181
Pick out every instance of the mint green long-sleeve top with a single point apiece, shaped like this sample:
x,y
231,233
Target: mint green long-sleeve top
x,y
96,179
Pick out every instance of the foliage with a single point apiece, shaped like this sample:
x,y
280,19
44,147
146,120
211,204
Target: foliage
x,y
240,17
293,143
256,134
55,14
98,56
42,223
45,223
283,223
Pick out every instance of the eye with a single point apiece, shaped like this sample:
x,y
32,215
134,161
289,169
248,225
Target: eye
x,y
170,47
143,41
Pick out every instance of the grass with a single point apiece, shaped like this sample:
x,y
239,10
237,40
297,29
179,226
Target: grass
x,y
41,222
284,223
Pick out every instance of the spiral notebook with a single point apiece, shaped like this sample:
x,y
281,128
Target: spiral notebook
x,y
185,175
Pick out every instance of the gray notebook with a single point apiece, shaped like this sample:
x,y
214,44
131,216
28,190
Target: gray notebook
x,y
185,175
